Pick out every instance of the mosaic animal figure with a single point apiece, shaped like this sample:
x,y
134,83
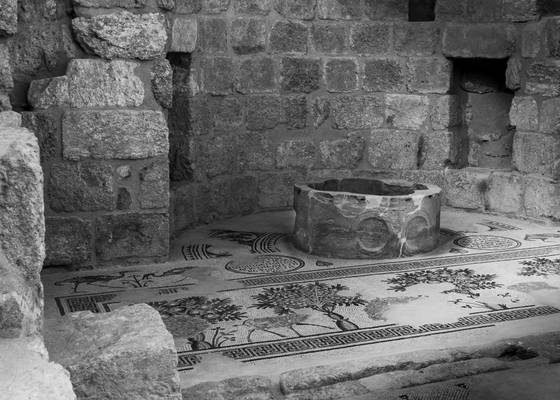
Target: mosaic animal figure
x,y
169,272
91,280
198,342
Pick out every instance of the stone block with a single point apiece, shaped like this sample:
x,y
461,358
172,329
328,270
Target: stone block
x,y
188,6
521,10
445,112
68,241
49,92
154,185
215,6
276,189
46,127
98,83
10,119
466,188
161,77
6,80
114,134
341,75
258,7
264,112
342,153
74,187
330,38
109,3
295,108
479,40
339,9
407,111
256,74
243,195
246,387
296,153
524,113
5,104
440,149
217,75
130,343
255,152
8,17
552,37
549,117
358,112
184,33
248,35
321,110
450,10
124,199
383,75
122,35
505,193
215,156
484,10
132,237
393,149
429,75
296,9
531,39
212,35
542,197
383,10
300,75
514,72
22,224
543,77
183,207
288,37
417,39
226,111
371,38
537,153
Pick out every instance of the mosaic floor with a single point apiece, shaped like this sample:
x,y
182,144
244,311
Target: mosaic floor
x,y
240,299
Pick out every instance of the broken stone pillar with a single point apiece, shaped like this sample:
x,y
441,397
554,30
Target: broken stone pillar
x,y
125,354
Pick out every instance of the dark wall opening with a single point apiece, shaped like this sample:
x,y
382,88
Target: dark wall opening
x,y
421,10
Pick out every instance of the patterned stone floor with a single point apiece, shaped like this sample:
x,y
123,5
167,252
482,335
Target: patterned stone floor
x,y
240,299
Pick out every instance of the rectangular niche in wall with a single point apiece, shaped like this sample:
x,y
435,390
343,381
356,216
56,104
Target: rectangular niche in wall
x,y
485,102
421,10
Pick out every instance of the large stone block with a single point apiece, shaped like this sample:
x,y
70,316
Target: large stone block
x,y
297,9
247,387
212,34
256,74
445,112
125,354
114,134
264,112
259,7
393,149
296,153
358,112
288,37
537,153
10,119
80,187
68,241
505,193
216,155
217,75
248,35
132,237
466,188
382,10
552,37
162,82
295,108
543,77
524,113
255,152
342,153
183,207
549,121
441,149
227,111
532,39
49,92
22,225
215,6
109,3
383,75
484,10
98,83
154,185
123,35
417,39
300,74
330,38
339,9
429,75
521,10
371,38
276,189
8,17
6,80
184,33
341,75
450,10
542,197
46,127
407,111
479,40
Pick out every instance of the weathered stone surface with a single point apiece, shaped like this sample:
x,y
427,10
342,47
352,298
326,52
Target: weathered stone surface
x,y
521,10
162,82
524,113
465,188
264,112
124,199
392,149
212,34
5,104
341,75
110,3
256,74
479,40
514,72
450,10
445,112
114,134
8,17
440,149
330,38
215,156
295,108
260,7
321,110
288,37
49,92
357,112
366,218
298,9
295,153
505,192
97,83
543,77
184,33
371,38
188,6
132,236
531,39
417,39
549,121
22,225
122,35
124,354
300,74
246,387
337,391
429,75
27,374
154,185
248,35
542,197
46,127
182,207
228,111
80,187
276,189
215,6
339,9
407,111
383,10
537,153
68,241
383,75
6,80
10,119
217,75
342,153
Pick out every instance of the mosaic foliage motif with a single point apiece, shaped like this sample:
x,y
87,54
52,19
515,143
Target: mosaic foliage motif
x,y
487,242
484,305
316,296
465,281
540,267
286,321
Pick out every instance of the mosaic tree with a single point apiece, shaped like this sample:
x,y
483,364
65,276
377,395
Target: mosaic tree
x,y
540,267
316,296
